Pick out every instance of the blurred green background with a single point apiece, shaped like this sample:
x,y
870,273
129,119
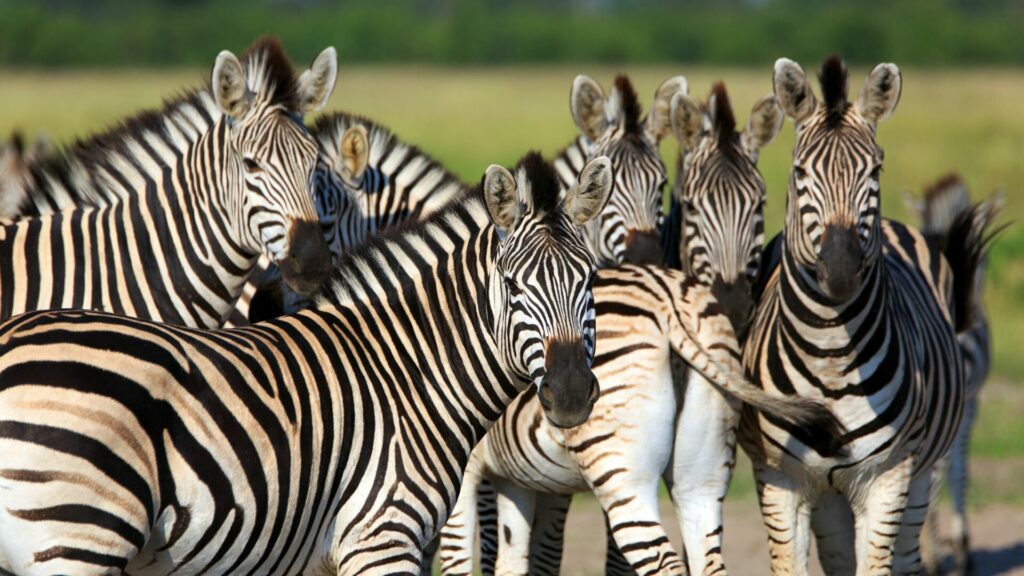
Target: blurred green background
x,y
477,82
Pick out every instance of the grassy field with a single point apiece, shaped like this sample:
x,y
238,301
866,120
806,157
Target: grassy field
x,y
968,121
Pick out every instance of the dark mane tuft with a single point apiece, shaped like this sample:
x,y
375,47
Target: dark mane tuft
x,y
543,182
724,122
279,82
942,186
18,141
631,110
833,79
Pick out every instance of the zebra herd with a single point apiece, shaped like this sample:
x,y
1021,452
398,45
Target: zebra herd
x,y
416,360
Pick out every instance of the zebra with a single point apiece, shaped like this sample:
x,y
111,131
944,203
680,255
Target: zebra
x,y
645,315
15,162
857,311
367,181
707,132
313,442
216,178
942,203
613,126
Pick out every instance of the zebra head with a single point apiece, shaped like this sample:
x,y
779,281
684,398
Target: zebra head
x,y
344,157
833,221
626,230
722,195
540,288
269,156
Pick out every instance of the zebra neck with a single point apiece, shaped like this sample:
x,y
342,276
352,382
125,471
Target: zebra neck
x,y
119,163
426,289
401,182
814,319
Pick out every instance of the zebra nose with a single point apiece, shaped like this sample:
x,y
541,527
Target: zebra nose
x,y
569,388
308,263
643,247
839,262
737,302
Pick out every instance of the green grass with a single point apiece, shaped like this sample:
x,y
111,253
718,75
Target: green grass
x,y
968,121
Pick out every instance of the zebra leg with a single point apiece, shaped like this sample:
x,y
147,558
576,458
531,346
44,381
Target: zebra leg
x,y
615,563
458,536
547,539
879,507
832,523
516,506
635,523
487,518
427,562
908,548
958,483
698,475
786,516
931,533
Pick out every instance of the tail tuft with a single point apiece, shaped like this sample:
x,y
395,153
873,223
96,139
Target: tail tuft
x,y
965,247
821,425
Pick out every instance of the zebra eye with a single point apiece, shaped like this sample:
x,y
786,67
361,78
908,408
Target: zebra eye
x,y
513,287
799,173
251,166
876,172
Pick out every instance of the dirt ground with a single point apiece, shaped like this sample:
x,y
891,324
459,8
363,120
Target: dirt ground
x,y
997,535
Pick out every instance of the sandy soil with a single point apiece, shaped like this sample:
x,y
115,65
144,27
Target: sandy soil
x,y
997,533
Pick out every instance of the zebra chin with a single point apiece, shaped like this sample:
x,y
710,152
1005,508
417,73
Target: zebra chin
x,y
569,389
840,263
308,262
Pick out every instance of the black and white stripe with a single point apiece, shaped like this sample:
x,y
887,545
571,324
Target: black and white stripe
x,y
613,126
331,441
856,311
175,207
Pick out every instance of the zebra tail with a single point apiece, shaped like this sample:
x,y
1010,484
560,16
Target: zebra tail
x,y
726,374
965,247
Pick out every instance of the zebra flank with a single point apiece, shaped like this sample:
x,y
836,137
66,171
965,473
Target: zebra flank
x,y
216,178
628,228
333,440
856,311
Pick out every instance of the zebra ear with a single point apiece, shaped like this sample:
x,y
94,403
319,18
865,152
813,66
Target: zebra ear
x,y
317,83
355,154
763,126
589,195
501,197
687,120
793,90
913,204
659,121
881,93
587,103
229,88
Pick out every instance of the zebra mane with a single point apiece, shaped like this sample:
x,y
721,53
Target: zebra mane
x,y
949,185
833,80
270,74
723,121
631,110
539,175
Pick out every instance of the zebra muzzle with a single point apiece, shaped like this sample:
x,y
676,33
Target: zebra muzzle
x,y
308,263
839,262
569,388
643,247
